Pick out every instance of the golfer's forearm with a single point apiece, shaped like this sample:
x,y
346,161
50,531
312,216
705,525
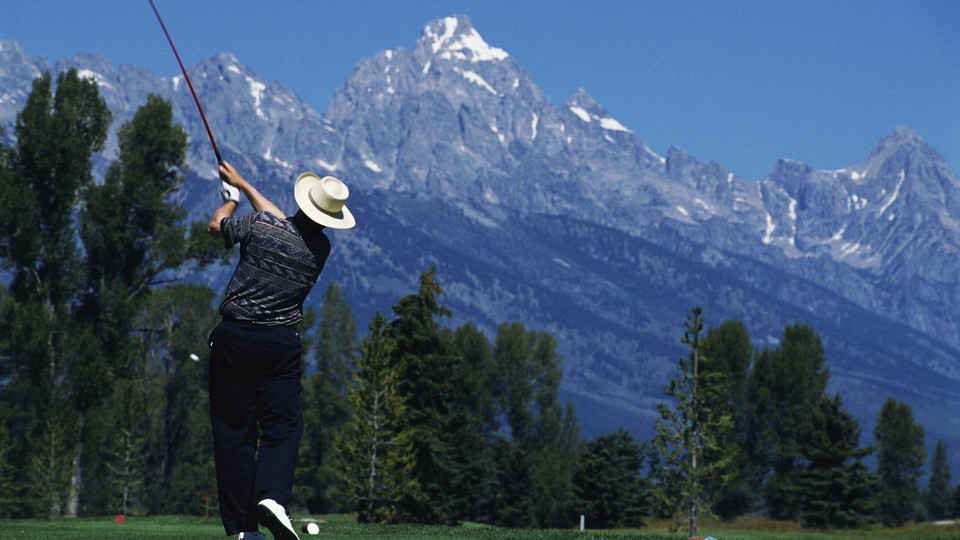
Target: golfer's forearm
x,y
258,201
225,211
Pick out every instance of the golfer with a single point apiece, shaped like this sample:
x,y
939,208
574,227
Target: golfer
x,y
255,349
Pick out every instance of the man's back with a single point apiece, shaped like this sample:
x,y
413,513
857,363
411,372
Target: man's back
x,y
280,261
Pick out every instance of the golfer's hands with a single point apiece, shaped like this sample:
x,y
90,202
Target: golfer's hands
x,y
230,176
231,184
229,193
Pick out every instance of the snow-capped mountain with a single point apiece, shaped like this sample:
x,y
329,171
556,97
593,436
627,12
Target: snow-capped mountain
x,y
561,217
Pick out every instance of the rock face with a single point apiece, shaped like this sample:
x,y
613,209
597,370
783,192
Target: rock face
x,y
562,218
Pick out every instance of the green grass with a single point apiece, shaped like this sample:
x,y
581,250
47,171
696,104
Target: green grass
x,y
331,527
345,528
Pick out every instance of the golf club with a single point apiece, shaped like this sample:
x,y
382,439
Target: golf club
x,y
187,77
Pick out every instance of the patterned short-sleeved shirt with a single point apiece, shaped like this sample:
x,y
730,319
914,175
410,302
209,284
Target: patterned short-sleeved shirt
x,y
280,261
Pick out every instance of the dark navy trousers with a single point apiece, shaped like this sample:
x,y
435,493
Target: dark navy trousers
x,y
254,381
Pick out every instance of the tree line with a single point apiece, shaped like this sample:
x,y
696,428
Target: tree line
x,y
748,431
103,403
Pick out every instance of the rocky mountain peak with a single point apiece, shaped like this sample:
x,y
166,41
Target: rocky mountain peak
x,y
900,147
222,63
15,65
11,51
583,100
902,136
455,38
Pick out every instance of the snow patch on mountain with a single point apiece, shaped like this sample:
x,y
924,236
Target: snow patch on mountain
x,y
612,125
268,155
464,45
95,77
475,78
256,90
769,229
605,121
896,193
582,114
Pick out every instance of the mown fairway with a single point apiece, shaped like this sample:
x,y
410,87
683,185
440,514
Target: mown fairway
x,y
184,528
344,528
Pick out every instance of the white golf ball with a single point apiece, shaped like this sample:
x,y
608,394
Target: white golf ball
x,y
195,358
313,528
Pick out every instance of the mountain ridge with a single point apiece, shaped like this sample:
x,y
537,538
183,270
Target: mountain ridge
x,y
471,161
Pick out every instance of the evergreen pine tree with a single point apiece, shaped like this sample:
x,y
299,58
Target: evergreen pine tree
x,y
693,465
609,488
475,425
440,384
939,499
375,456
955,502
556,451
836,489
514,502
7,485
126,461
50,470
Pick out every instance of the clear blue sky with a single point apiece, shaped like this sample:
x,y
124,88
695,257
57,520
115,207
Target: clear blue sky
x,y
739,82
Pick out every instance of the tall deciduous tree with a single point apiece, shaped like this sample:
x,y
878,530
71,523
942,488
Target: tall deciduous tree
x,y
132,233
557,451
900,457
326,404
172,324
528,372
729,352
78,288
45,179
474,347
791,383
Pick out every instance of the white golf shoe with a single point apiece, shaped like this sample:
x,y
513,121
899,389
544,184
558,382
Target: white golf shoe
x,y
272,516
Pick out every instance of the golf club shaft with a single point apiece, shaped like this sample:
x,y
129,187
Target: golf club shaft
x,y
187,77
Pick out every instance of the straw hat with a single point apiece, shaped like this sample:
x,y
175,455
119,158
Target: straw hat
x,y
323,200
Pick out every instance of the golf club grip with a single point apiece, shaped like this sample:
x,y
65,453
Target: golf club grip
x,y
189,84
